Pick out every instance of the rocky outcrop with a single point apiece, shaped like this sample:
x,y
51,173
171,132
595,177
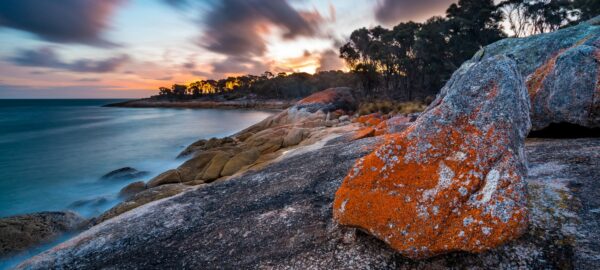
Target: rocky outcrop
x,y
218,158
281,218
125,173
19,233
562,72
454,180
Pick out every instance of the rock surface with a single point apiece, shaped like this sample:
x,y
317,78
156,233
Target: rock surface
x,y
141,198
132,189
125,173
281,218
453,181
18,233
562,71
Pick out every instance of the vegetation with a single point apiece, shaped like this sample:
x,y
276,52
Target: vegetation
x,y
410,61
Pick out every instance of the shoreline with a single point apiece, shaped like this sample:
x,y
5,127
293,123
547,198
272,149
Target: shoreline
x,y
205,104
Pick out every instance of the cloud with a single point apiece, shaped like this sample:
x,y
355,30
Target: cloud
x,y
62,21
239,65
81,91
395,11
236,27
330,60
89,80
47,57
166,78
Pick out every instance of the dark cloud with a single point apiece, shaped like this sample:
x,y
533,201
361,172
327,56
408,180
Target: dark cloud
x,y
236,27
394,11
166,78
239,65
63,21
47,57
330,60
89,80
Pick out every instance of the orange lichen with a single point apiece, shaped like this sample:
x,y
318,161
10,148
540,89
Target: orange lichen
x,y
381,128
364,133
436,199
536,80
370,120
323,97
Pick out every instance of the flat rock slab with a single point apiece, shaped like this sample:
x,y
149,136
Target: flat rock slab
x,y
281,218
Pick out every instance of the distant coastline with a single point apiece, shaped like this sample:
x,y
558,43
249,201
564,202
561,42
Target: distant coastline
x,y
270,104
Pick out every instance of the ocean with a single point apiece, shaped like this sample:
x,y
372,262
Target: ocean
x,y
54,152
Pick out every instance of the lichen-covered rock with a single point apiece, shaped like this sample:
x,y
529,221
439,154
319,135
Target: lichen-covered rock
x,y
18,233
328,100
562,72
454,180
566,89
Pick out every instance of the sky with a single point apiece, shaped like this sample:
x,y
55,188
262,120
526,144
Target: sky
x,y
128,48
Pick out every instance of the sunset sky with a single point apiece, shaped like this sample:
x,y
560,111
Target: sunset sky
x,y
127,48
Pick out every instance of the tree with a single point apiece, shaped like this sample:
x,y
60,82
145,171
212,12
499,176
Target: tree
x,y
179,90
472,24
163,91
588,8
530,17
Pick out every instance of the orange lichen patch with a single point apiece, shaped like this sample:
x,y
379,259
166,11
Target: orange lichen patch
x,y
323,97
381,128
364,133
370,120
536,80
426,194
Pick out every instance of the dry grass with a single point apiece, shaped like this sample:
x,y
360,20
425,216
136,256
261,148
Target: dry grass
x,y
387,106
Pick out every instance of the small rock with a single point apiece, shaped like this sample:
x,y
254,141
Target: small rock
x,y
214,168
125,173
168,177
240,160
132,189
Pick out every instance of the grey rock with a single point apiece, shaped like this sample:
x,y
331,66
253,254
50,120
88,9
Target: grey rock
x,y
561,69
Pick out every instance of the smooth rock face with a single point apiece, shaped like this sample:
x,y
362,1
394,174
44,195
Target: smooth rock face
x,y
562,73
454,180
19,233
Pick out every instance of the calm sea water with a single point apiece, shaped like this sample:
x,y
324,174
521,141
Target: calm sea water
x,y
53,152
